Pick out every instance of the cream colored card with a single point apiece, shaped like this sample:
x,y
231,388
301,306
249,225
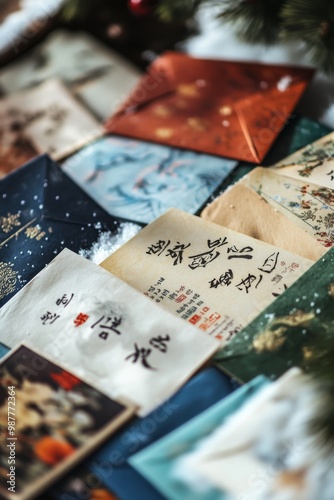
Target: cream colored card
x,y
104,331
307,205
233,457
208,275
45,119
97,75
243,210
314,163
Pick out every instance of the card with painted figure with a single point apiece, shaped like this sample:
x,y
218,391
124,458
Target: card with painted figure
x,y
50,420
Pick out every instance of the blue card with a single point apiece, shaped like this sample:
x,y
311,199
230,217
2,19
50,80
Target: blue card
x,y
161,463
140,181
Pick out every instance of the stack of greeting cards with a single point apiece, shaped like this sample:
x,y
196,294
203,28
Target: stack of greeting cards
x,y
162,288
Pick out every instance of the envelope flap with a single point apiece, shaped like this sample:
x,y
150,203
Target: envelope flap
x,y
157,82
64,200
273,108
228,108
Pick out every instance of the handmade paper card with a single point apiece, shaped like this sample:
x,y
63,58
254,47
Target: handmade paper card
x,y
243,210
163,463
140,180
309,206
104,330
314,163
98,76
210,276
43,211
208,105
111,463
293,331
49,419
45,119
241,455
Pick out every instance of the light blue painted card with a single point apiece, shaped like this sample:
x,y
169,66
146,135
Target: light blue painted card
x,y
162,463
138,180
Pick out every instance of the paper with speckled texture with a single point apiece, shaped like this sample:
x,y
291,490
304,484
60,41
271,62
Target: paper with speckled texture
x,y
208,275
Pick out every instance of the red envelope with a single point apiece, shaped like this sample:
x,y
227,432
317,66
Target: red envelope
x,y
231,109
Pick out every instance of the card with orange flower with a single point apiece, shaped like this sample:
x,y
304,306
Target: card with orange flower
x,y
49,420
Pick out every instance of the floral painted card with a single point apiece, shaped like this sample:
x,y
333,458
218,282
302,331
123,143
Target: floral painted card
x,y
49,420
208,275
314,163
309,206
139,180
295,330
105,331
45,119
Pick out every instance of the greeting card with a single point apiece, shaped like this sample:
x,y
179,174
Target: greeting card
x,y
208,275
307,205
140,180
243,210
296,330
45,119
105,331
95,74
50,419
43,211
208,105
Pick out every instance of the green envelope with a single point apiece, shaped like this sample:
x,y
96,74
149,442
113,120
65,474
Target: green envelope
x,y
293,331
159,462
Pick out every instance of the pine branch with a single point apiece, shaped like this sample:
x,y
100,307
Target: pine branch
x,y
169,10
312,21
256,21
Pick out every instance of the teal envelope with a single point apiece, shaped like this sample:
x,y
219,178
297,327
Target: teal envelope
x,y
158,462
293,331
